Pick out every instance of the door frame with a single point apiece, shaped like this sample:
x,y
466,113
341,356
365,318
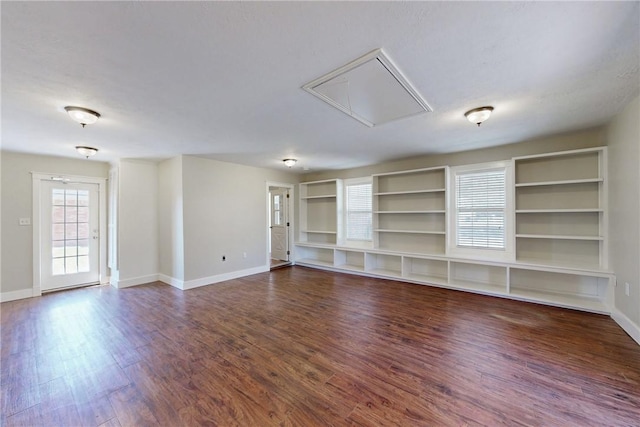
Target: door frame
x,y
37,178
290,213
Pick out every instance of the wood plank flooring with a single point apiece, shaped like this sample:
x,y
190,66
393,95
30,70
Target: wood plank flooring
x,y
302,347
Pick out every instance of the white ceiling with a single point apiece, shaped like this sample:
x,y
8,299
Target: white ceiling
x,y
223,79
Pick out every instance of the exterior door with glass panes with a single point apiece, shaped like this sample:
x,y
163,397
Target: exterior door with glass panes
x,y
279,227
69,235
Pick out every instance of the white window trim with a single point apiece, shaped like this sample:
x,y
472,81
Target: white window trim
x,y
366,244
508,254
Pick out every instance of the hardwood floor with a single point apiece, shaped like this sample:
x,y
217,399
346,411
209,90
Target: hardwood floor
x,y
302,347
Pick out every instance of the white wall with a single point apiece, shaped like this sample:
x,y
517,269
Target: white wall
x,y
624,213
137,223
170,219
225,213
16,240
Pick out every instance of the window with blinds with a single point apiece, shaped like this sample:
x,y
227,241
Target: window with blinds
x,y
358,211
480,209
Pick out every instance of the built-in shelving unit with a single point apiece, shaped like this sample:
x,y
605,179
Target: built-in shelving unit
x,y
560,208
410,210
588,290
559,221
320,213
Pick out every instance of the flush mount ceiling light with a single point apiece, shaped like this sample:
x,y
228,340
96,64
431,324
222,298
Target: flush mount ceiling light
x,y
478,115
84,116
86,151
371,89
290,162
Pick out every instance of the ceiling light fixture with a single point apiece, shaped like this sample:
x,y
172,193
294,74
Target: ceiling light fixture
x,y
86,151
478,115
84,116
290,162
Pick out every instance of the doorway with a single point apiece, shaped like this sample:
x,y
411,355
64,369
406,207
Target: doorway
x,y
279,225
68,220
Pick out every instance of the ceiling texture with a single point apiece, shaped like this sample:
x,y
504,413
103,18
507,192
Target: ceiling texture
x,y
223,80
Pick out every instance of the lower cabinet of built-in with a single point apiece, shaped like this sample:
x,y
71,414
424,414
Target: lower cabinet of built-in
x,y
571,288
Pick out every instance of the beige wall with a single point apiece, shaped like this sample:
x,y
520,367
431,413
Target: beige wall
x,y
16,240
583,139
137,222
624,208
225,213
170,218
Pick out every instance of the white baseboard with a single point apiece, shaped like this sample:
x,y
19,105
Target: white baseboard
x,y
120,284
176,283
625,323
16,295
196,283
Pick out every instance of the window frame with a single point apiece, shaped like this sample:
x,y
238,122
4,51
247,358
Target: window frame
x,y
356,242
489,254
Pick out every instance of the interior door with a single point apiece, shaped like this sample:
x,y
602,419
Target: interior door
x,y
69,226
279,224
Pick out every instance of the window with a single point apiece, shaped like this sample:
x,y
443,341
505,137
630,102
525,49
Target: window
x,y
359,217
480,205
481,225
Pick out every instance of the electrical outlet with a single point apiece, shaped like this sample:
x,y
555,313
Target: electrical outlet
x,y
224,258
627,289
24,221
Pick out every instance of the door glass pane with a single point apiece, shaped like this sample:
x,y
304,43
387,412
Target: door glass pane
x,y
70,232
71,197
83,247
57,197
70,265
70,214
83,198
57,249
58,231
83,264
58,266
83,230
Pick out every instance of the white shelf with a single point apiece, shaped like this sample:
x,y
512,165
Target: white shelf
x,y
350,267
409,231
558,237
312,261
325,196
384,272
587,267
534,211
485,288
392,193
561,300
435,280
437,211
318,231
563,182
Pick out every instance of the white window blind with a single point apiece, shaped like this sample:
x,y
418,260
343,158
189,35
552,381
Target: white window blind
x,y
359,212
480,206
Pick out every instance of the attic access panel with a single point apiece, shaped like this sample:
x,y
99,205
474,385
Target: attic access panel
x,y
370,89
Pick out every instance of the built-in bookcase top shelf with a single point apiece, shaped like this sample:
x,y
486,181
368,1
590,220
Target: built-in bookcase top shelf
x,y
540,211
393,193
558,236
379,230
323,196
563,182
435,211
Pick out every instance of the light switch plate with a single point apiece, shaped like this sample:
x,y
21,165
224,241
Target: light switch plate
x,y
25,221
